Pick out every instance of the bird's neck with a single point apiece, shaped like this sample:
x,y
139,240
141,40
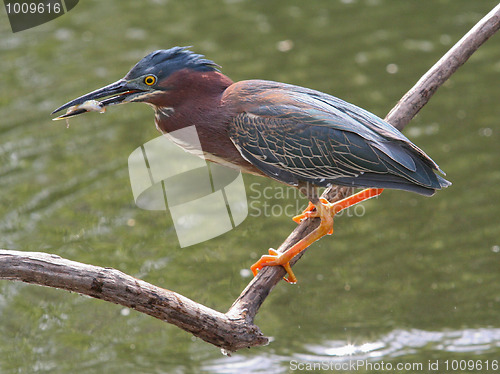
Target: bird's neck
x,y
192,98
196,103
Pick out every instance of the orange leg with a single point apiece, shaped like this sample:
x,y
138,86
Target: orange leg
x,y
325,210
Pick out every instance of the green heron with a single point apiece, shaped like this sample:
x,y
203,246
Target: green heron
x,y
297,136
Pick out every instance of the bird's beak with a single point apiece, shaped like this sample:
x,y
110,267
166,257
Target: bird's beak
x,y
119,92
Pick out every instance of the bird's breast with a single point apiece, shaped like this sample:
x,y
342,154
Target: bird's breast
x,y
208,141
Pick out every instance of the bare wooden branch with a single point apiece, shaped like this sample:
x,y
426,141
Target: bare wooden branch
x,y
411,103
261,285
228,332
235,329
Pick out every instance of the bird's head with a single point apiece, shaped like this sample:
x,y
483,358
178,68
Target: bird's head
x,y
148,81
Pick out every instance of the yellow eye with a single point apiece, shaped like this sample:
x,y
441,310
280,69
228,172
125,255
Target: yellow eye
x,y
150,80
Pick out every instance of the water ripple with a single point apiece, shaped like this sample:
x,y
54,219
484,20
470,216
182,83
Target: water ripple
x,y
402,342
52,198
396,343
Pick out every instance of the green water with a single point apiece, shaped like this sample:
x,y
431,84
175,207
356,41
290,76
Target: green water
x,y
405,279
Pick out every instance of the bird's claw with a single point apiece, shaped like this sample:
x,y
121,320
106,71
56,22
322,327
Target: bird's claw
x,y
312,212
309,212
275,258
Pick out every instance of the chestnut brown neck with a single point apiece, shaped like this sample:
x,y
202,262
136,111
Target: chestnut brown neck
x,y
193,98
190,98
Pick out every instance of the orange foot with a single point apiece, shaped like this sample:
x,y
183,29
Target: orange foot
x,y
325,210
275,258
309,212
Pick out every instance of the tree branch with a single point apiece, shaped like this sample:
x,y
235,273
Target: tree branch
x,y
111,285
235,329
411,103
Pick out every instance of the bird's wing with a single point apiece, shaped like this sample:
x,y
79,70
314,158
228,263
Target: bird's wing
x,y
294,134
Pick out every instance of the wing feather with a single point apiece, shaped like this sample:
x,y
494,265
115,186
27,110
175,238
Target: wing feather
x,y
293,134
